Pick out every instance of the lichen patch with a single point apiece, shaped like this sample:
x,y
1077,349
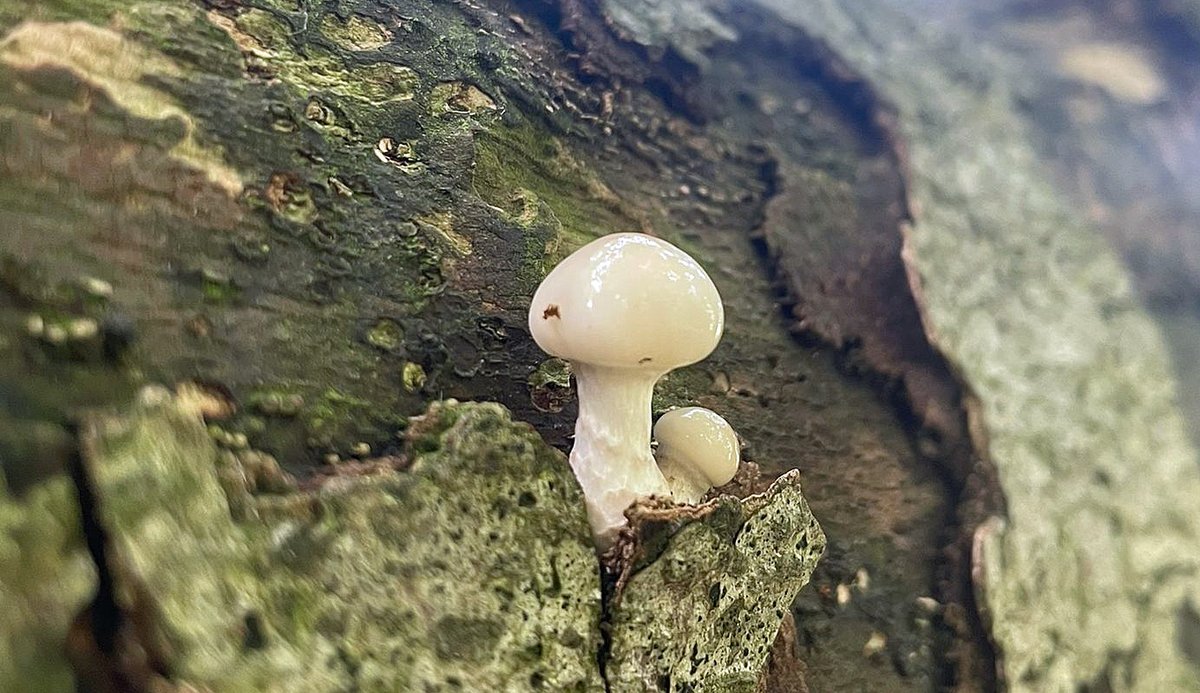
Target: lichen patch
x,y
1124,71
111,62
267,50
356,33
442,223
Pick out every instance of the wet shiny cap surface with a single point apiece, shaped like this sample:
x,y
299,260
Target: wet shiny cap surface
x,y
628,300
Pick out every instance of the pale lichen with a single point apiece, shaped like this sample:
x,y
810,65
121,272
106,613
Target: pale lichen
x,y
472,568
109,61
704,613
46,578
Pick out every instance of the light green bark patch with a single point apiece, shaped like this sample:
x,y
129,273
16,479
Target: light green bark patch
x,y
46,578
475,569
109,61
558,202
704,614
264,38
356,33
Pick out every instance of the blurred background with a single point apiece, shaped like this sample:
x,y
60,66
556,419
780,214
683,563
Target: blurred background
x,y
1111,91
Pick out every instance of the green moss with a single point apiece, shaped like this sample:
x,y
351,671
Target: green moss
x,y
551,372
476,569
682,387
415,272
216,287
386,335
413,376
555,199
704,614
331,413
276,401
46,579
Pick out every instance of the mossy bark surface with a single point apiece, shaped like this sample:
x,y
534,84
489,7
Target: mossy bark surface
x,y
704,613
46,580
472,569
467,564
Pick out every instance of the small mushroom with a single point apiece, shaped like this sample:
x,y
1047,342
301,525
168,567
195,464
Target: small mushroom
x,y
624,310
697,450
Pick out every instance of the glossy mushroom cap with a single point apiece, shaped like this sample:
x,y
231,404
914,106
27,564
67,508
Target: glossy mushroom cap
x,y
628,300
697,450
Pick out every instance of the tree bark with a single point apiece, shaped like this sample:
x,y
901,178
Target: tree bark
x,y
317,218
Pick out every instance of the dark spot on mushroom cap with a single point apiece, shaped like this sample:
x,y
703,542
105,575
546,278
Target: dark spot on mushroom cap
x,y
550,312
645,359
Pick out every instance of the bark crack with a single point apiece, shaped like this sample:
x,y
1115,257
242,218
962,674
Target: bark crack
x,y
938,414
109,644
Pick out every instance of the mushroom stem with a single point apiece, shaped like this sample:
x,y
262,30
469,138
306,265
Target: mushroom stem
x,y
611,456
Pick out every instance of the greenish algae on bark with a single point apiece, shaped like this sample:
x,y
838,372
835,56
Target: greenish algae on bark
x,y
46,579
473,568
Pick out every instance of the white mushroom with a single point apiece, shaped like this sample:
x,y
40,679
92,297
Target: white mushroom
x,y
624,310
697,450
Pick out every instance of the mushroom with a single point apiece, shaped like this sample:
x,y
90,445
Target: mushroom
x,y
697,450
624,310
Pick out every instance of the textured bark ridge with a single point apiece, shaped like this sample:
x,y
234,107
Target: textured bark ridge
x,y
703,611
470,568
473,568
1070,380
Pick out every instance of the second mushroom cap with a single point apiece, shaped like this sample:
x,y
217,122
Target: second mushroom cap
x,y
697,450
